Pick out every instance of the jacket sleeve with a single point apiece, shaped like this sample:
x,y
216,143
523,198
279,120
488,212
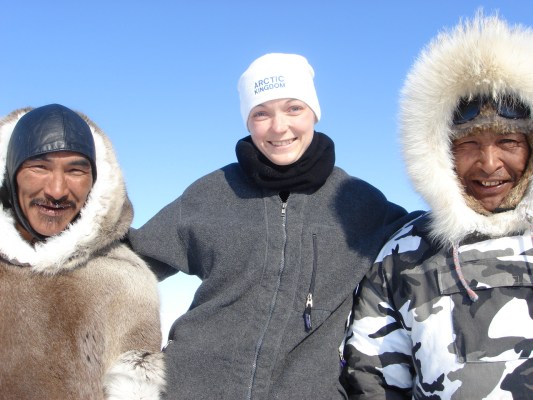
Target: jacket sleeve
x,y
134,365
159,244
377,346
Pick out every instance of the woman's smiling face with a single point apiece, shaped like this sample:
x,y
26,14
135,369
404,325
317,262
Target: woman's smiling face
x,y
282,129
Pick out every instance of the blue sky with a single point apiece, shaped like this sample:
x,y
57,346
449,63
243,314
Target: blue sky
x,y
160,78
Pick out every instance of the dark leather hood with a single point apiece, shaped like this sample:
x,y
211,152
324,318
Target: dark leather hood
x,y
103,221
44,130
47,129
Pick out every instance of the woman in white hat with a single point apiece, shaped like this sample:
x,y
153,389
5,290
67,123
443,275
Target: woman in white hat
x,y
279,240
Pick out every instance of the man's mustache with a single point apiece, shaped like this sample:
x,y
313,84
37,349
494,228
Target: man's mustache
x,y
60,203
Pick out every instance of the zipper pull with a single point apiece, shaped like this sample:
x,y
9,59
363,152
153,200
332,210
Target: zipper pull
x,y
307,312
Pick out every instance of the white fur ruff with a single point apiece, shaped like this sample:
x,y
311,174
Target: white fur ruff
x,y
135,376
95,226
482,56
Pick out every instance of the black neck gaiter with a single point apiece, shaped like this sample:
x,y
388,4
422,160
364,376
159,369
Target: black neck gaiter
x,y
307,173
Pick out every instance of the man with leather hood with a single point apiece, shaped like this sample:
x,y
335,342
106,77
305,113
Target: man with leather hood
x,y
447,310
80,311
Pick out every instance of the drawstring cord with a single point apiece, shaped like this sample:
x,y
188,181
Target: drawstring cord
x,y
473,296
455,251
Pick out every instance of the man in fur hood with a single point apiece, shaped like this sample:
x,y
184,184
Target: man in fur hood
x,y
79,311
447,310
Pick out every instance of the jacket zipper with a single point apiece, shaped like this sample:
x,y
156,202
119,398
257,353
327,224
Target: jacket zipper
x,y
309,298
272,304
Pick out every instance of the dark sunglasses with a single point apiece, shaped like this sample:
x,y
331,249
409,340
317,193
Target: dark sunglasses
x,y
508,107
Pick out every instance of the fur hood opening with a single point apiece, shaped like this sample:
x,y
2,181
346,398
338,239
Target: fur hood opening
x,y
483,56
105,217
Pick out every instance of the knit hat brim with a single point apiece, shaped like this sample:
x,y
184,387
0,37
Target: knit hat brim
x,y
277,76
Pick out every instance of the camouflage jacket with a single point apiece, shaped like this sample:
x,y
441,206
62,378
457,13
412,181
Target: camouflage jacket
x,y
414,332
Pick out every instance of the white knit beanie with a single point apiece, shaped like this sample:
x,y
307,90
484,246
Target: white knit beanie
x,y
277,76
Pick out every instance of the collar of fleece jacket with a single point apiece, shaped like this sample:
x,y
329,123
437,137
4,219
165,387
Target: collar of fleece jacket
x,y
483,56
104,219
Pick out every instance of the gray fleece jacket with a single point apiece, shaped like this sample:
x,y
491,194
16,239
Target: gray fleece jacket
x,y
259,259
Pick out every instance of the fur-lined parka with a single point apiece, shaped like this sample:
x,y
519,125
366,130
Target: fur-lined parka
x,y
447,310
79,311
